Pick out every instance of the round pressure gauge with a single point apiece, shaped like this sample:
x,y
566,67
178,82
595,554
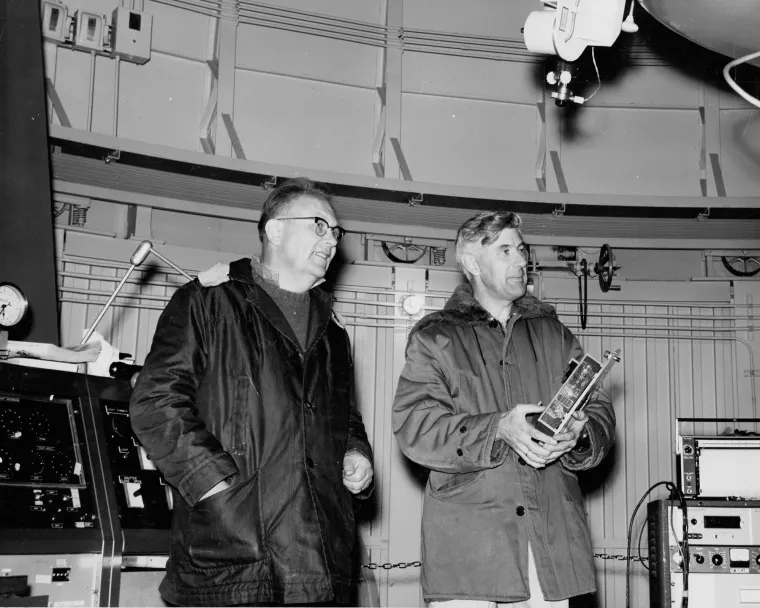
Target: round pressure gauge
x,y
13,305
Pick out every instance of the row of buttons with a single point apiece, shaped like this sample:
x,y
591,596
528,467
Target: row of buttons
x,y
462,429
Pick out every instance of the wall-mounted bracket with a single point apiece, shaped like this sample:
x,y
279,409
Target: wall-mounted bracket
x,y
269,183
704,215
559,210
416,200
403,166
237,146
720,185
57,103
112,156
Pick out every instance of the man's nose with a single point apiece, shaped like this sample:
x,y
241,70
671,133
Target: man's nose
x,y
330,238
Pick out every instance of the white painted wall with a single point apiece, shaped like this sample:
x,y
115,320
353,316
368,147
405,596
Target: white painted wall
x,y
311,102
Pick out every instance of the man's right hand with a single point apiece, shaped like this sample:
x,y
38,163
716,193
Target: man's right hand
x,y
220,487
519,434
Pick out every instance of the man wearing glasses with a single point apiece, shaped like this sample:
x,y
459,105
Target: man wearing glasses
x,y
246,405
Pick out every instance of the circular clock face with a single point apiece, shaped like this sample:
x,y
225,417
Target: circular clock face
x,y
13,305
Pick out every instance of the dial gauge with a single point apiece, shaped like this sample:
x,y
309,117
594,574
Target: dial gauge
x,y
13,305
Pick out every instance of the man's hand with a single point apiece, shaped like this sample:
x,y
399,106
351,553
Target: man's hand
x,y
357,472
520,435
567,439
220,487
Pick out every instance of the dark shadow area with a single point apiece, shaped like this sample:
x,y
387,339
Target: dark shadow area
x,y
339,263
21,331
654,44
584,601
593,480
418,472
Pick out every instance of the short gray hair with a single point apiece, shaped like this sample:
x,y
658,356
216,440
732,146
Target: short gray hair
x,y
483,229
279,199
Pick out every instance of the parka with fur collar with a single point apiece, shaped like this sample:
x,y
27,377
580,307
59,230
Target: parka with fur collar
x,y
463,371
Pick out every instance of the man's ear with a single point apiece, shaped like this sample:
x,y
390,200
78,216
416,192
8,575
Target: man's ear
x,y
273,231
470,264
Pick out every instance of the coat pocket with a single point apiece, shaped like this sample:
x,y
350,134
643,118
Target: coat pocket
x,y
226,528
570,486
236,431
457,487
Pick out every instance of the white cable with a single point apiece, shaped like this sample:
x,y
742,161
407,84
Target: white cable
x,y
598,78
732,83
630,12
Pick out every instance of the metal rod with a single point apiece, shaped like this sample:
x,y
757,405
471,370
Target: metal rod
x,y
91,91
172,264
117,72
108,304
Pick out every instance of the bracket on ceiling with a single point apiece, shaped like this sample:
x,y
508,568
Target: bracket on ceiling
x,y
559,210
269,183
416,200
112,155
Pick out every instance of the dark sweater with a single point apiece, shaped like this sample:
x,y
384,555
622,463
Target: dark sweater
x,y
294,306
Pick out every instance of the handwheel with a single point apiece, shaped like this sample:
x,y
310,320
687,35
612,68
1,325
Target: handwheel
x,y
605,268
742,266
403,253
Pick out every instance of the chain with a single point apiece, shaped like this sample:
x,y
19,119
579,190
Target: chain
x,y
402,565
622,558
389,566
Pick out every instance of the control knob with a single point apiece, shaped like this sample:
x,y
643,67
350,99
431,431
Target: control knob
x,y
717,559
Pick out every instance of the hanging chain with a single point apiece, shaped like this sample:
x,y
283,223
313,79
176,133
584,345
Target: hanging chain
x,y
389,566
402,565
622,558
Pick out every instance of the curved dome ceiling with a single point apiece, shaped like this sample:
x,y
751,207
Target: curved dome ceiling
x,y
729,27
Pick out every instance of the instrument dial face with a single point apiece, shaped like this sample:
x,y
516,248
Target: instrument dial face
x,y
12,425
13,305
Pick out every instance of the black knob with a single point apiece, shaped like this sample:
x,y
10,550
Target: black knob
x,y
717,559
700,559
119,369
757,560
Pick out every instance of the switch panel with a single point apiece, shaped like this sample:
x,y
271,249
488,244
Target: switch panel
x,y
55,17
131,33
133,492
89,31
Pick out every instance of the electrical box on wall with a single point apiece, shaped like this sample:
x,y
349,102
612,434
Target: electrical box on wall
x,y
55,21
89,31
131,33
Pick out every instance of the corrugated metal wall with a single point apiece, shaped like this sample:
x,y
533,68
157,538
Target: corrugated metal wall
x,y
687,349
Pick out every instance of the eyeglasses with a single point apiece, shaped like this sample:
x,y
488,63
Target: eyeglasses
x,y
320,226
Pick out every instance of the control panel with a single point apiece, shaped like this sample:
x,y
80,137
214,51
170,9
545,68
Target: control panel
x,y
719,559
144,499
724,553
42,465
